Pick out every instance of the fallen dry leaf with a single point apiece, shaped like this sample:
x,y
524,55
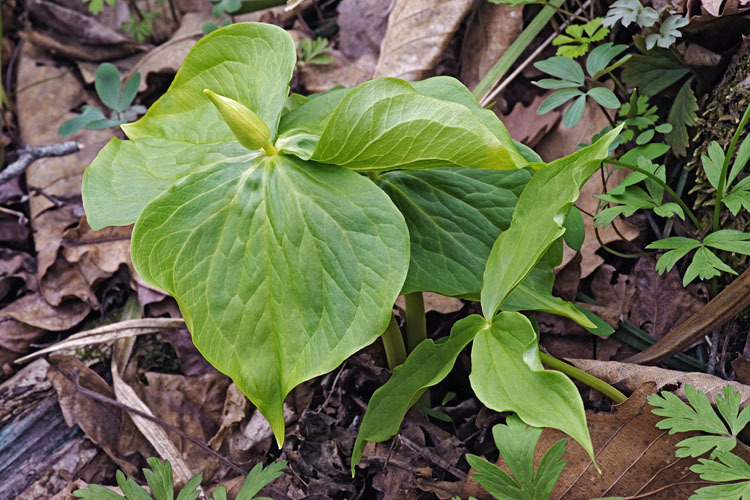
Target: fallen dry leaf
x,y
104,424
490,31
436,302
362,25
66,27
526,126
97,254
655,303
55,183
627,376
193,405
418,33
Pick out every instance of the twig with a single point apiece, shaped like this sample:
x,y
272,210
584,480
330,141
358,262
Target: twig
x,y
108,333
106,400
28,155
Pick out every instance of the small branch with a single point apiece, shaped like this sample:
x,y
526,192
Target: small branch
x,y
29,155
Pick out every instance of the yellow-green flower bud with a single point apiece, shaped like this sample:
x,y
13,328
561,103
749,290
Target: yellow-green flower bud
x,y
249,129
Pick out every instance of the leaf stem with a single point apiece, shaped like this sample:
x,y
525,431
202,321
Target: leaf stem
x,y
666,187
416,323
586,378
725,167
393,342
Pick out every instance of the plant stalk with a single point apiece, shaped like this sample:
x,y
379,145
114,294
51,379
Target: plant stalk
x,y
416,322
586,378
725,167
393,342
666,187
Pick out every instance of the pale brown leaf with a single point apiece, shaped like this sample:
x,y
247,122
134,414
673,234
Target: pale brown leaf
x,y
418,33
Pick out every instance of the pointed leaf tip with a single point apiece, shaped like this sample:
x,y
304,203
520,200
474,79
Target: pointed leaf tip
x,y
247,127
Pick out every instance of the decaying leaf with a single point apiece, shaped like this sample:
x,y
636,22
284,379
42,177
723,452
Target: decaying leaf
x,y
418,33
490,31
526,126
102,423
55,183
655,303
627,377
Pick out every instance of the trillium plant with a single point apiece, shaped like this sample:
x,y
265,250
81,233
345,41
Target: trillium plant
x,y
286,226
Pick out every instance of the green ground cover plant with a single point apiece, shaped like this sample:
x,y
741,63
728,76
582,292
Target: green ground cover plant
x,y
161,484
286,226
117,98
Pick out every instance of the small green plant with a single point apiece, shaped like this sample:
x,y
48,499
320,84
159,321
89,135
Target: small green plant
x,y
96,6
114,96
641,120
630,11
578,38
286,226
161,484
571,83
517,443
314,52
141,28
628,197
722,430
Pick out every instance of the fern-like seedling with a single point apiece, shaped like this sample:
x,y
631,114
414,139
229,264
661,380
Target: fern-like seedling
x,y
161,484
722,466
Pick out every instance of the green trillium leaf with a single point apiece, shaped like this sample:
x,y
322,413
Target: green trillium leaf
x,y
507,375
182,132
426,366
282,268
447,88
543,206
386,124
454,216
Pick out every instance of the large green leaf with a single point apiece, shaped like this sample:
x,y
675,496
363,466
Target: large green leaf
x,y
507,375
538,220
427,365
182,132
385,124
450,89
282,268
454,216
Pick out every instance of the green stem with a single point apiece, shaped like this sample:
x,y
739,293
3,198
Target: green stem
x,y
393,342
416,323
586,378
666,187
725,167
